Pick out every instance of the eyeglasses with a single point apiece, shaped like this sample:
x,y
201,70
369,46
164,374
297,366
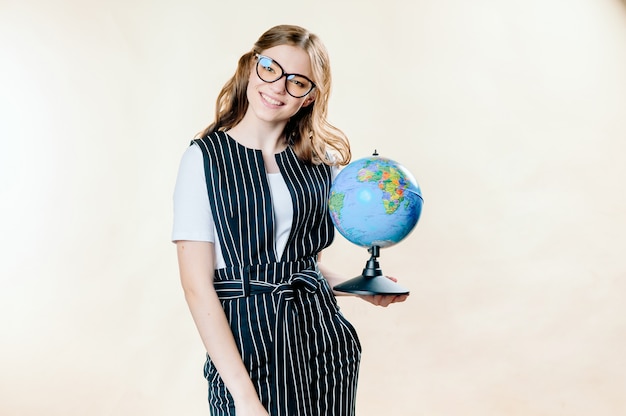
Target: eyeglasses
x,y
270,71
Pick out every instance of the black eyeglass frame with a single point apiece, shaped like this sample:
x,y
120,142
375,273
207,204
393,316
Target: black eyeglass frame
x,y
283,74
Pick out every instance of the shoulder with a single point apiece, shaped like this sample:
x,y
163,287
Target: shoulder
x,y
211,139
191,163
192,153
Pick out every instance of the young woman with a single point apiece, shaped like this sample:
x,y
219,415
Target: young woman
x,y
250,221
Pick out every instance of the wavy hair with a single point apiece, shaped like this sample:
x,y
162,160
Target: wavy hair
x,y
310,134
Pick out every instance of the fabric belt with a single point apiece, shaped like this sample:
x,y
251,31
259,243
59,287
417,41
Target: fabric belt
x,y
305,278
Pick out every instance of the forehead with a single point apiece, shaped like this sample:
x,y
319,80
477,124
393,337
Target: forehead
x,y
294,60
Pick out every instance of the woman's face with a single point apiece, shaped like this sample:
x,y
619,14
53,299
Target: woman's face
x,y
270,101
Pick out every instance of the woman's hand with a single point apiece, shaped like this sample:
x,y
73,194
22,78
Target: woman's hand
x,y
384,300
251,408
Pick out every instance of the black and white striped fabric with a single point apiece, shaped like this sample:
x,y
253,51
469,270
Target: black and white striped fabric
x,y
301,353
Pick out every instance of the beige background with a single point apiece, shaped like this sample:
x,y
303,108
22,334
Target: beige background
x,y
510,113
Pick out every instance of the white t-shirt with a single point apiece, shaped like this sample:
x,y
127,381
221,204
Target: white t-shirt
x,y
193,219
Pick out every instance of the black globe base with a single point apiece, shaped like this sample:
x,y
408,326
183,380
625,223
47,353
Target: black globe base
x,y
372,281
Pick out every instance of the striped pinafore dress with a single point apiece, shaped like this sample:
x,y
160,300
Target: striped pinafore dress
x,y
301,353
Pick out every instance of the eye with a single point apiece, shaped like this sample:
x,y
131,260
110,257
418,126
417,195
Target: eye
x,y
299,81
267,63
296,82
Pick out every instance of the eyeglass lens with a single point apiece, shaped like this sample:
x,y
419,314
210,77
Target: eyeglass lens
x,y
270,71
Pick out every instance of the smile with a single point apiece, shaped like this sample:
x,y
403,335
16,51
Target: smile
x,y
270,100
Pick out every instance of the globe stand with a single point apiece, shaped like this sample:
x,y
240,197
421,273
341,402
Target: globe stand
x,y
372,281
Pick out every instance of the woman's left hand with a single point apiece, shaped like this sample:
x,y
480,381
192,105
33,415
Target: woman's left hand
x,y
384,300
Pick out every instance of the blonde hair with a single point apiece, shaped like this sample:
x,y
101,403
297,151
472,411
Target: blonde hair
x,y
310,134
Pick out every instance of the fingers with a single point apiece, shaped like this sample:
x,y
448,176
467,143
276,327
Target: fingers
x,y
384,300
389,299
400,298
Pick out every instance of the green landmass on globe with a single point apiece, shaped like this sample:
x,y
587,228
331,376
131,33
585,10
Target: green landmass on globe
x,y
335,203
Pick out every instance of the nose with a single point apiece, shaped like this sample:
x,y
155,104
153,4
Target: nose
x,y
280,85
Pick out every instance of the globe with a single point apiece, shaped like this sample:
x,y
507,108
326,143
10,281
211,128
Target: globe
x,y
375,201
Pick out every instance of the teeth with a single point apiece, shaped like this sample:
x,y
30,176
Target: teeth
x,y
271,100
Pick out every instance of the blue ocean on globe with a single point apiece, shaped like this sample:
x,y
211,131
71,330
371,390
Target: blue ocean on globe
x,y
375,201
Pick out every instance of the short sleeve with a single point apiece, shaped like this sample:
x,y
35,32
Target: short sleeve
x,y
193,219
334,168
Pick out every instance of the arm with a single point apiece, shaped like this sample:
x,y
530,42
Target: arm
x,y
196,264
334,278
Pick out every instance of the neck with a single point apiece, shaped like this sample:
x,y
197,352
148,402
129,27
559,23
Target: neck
x,y
260,135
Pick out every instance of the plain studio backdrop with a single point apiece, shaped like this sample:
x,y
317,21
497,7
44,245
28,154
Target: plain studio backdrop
x,y
511,114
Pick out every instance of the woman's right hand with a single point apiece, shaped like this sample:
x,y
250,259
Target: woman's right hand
x,y
251,408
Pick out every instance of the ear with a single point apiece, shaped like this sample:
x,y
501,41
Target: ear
x,y
309,100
